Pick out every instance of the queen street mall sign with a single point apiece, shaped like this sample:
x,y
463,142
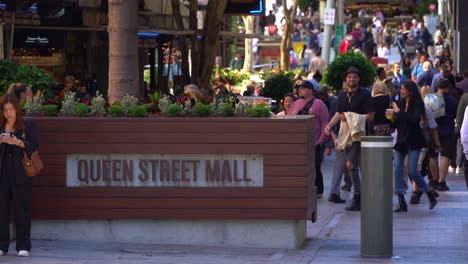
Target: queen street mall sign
x,y
157,170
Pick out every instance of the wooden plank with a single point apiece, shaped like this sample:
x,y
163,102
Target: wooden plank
x,y
288,182
168,203
90,214
99,148
268,159
282,181
178,138
64,192
91,125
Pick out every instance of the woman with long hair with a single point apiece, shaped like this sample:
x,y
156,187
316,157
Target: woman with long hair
x,y
17,136
407,115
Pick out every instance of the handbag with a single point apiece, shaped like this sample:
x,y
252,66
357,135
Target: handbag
x,y
32,163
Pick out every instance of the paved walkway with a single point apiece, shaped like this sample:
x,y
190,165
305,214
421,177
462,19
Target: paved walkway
x,y
420,236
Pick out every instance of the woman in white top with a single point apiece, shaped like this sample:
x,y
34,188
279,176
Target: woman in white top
x,y
464,141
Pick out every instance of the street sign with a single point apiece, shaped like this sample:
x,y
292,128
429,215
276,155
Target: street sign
x,y
329,16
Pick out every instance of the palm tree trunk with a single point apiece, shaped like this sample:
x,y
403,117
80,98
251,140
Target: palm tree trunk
x,y
123,49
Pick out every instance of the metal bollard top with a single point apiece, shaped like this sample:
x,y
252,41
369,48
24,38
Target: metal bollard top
x,y
377,142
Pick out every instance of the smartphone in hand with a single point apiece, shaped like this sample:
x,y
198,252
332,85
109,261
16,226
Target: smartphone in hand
x,y
6,135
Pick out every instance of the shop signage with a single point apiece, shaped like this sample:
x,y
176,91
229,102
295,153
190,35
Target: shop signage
x,y
159,170
25,38
37,40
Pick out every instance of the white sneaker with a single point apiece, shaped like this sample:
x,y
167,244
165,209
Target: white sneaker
x,y
459,170
23,253
2,253
451,169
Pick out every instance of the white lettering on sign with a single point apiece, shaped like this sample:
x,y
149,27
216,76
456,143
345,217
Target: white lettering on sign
x,y
329,16
157,170
37,40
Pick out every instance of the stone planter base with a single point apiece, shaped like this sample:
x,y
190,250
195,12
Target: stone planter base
x,y
240,233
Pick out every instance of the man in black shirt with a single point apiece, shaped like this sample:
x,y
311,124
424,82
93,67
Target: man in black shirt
x,y
359,101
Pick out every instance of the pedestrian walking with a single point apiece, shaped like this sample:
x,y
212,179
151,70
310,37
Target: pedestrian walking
x,y
18,135
310,105
410,140
357,102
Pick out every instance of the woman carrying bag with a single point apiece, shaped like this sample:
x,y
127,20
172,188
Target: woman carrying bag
x,y
17,136
407,114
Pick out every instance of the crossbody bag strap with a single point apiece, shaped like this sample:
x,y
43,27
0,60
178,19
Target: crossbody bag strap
x,y
306,108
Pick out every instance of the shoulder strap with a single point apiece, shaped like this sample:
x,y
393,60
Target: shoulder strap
x,y
306,108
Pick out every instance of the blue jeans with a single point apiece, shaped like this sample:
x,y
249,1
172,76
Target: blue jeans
x,y
413,174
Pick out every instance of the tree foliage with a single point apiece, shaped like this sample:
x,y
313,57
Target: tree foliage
x,y
35,77
303,4
277,84
333,75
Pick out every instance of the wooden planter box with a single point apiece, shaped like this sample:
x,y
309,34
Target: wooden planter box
x,y
286,145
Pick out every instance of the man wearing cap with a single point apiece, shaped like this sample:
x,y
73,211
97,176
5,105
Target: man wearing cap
x,y
446,127
310,105
359,101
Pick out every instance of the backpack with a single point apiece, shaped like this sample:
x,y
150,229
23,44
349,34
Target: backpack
x,y
436,104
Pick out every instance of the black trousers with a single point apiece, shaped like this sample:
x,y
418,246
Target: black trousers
x,y
319,152
17,196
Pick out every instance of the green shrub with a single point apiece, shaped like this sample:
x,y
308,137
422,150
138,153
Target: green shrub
x,y
33,106
128,102
225,109
174,109
12,72
233,77
242,108
98,105
260,110
50,110
277,84
116,110
138,111
69,104
333,75
201,109
82,110
164,104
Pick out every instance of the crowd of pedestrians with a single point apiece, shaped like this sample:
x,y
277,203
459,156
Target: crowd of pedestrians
x,y
416,100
